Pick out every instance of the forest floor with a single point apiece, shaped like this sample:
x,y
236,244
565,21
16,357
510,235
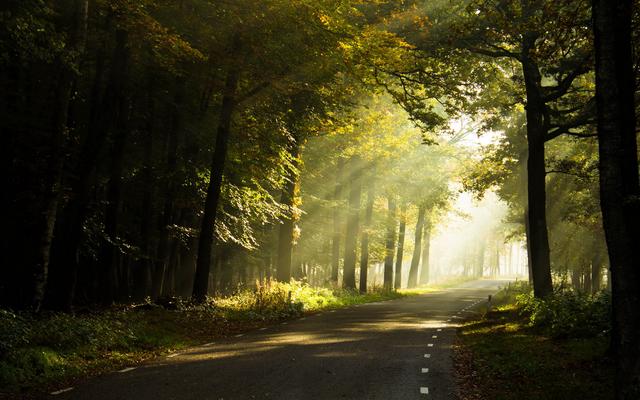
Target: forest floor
x,y
500,356
51,350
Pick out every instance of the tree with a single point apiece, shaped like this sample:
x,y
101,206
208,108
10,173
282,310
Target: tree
x,y
619,186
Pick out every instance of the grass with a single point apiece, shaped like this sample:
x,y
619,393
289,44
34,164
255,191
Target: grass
x,y
502,355
51,350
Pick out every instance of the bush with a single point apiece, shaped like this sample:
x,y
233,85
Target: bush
x,y
568,314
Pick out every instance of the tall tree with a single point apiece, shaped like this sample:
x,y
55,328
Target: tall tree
x,y
390,243
353,225
417,247
619,183
399,257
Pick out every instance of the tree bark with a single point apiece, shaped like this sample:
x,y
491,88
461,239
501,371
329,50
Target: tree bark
x,y
337,224
619,184
417,248
364,242
287,226
205,243
536,174
400,255
426,246
353,222
390,244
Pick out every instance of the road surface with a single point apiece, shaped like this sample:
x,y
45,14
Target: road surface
x,y
399,349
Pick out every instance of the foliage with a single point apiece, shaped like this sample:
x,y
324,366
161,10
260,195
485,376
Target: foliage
x,y
569,313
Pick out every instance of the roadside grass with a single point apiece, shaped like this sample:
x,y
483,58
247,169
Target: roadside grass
x,y
504,354
52,350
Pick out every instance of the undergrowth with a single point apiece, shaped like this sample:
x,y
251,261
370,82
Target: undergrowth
x,y
37,350
527,348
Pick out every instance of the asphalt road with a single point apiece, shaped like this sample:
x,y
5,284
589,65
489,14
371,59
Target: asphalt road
x,y
398,349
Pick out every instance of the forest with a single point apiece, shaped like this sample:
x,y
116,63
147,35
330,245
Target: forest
x,y
175,154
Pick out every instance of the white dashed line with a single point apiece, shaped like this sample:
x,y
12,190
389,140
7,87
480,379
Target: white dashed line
x,y
439,329
424,370
427,355
434,337
424,390
284,323
263,329
302,319
127,369
208,344
172,355
240,335
57,392
430,345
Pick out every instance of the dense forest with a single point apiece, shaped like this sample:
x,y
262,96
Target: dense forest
x,y
156,149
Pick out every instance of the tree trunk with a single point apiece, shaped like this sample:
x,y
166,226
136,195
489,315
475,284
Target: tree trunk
x,y
364,243
426,246
205,243
110,249
596,272
142,272
353,222
390,244
536,173
287,225
399,257
619,186
337,224
415,259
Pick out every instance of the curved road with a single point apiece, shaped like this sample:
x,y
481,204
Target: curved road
x,y
399,349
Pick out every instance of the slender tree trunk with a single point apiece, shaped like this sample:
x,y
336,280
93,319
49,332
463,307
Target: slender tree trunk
x,y
390,244
596,272
415,259
353,222
288,223
142,272
619,185
399,257
426,247
337,224
364,243
203,264
536,173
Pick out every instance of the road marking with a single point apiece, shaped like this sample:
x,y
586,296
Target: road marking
x,y
427,355
172,355
302,319
430,345
434,337
424,390
240,335
57,392
208,344
424,370
127,369
439,329
284,323
263,329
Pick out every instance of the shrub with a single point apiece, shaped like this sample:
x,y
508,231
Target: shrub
x,y
568,314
